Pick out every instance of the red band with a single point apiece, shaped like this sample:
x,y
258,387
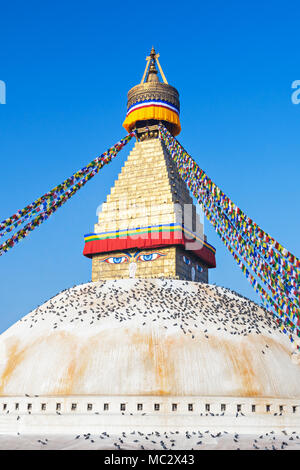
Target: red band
x,y
118,244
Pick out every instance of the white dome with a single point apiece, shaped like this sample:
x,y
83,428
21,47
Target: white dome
x,y
148,337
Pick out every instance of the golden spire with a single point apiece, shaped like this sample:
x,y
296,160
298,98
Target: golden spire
x,y
152,60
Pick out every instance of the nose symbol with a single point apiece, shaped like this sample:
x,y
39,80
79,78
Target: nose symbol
x,y
132,269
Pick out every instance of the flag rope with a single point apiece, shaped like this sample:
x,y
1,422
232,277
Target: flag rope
x,y
46,205
278,270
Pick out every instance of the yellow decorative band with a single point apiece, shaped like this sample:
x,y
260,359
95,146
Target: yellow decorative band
x,y
156,112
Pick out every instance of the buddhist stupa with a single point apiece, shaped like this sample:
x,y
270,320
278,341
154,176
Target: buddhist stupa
x,y
149,355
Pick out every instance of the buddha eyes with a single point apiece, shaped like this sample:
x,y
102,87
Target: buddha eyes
x,y
126,259
116,259
188,262
145,257
149,257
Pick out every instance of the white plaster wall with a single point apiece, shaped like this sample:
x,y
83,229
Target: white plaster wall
x,y
148,337
114,420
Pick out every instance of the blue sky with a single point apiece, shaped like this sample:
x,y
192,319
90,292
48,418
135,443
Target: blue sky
x,y
67,68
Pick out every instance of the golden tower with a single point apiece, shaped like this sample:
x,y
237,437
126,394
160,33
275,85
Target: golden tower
x,y
149,227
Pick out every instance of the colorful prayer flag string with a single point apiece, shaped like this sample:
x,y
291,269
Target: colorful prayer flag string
x,y
47,204
244,223
49,198
276,267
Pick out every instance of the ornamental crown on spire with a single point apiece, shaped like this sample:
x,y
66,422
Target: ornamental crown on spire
x,y
152,101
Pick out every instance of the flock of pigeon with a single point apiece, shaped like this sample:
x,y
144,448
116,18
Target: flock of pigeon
x,y
164,441
188,304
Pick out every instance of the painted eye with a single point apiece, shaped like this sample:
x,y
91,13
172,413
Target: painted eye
x,y
186,260
115,259
199,268
150,257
